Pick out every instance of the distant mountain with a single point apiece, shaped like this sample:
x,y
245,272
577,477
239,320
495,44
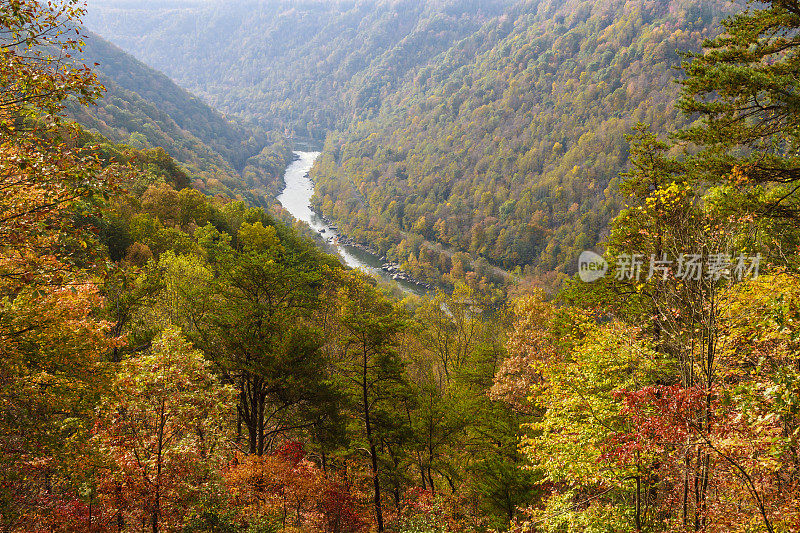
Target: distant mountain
x,y
491,129
299,65
145,109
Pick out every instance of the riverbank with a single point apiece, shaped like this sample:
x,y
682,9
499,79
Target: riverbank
x,y
296,199
391,269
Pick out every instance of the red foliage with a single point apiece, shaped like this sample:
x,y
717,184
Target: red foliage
x,y
659,417
418,499
57,510
702,462
291,451
339,508
292,490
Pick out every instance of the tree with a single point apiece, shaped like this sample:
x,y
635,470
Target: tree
x,y
578,365
368,359
127,290
163,430
44,177
742,86
51,339
261,336
52,372
451,328
285,489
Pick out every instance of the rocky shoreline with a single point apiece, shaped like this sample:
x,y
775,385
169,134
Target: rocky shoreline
x,y
296,198
391,268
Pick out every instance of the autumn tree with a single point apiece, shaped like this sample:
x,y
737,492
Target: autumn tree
x,y
46,180
51,339
163,429
287,490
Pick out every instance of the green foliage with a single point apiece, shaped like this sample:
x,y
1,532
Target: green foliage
x,y
421,523
508,145
742,87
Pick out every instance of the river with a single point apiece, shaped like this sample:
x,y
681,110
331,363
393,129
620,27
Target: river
x,y
296,199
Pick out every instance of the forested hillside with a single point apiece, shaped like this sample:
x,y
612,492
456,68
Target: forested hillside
x,y
489,130
508,146
146,110
173,361
305,66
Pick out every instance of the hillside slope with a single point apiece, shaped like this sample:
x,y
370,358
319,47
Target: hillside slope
x,y
145,109
304,66
456,130
508,147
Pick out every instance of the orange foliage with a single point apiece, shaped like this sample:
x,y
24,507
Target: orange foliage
x,y
291,491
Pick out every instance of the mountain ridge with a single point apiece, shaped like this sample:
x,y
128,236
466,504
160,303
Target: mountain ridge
x,y
501,138
144,108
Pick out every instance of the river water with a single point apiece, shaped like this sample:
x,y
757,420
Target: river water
x,y
296,199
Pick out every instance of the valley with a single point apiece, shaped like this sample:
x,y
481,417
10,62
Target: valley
x,y
495,129
399,266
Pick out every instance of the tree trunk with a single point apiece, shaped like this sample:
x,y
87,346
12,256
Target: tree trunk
x,y
372,449
260,421
120,520
638,516
251,409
